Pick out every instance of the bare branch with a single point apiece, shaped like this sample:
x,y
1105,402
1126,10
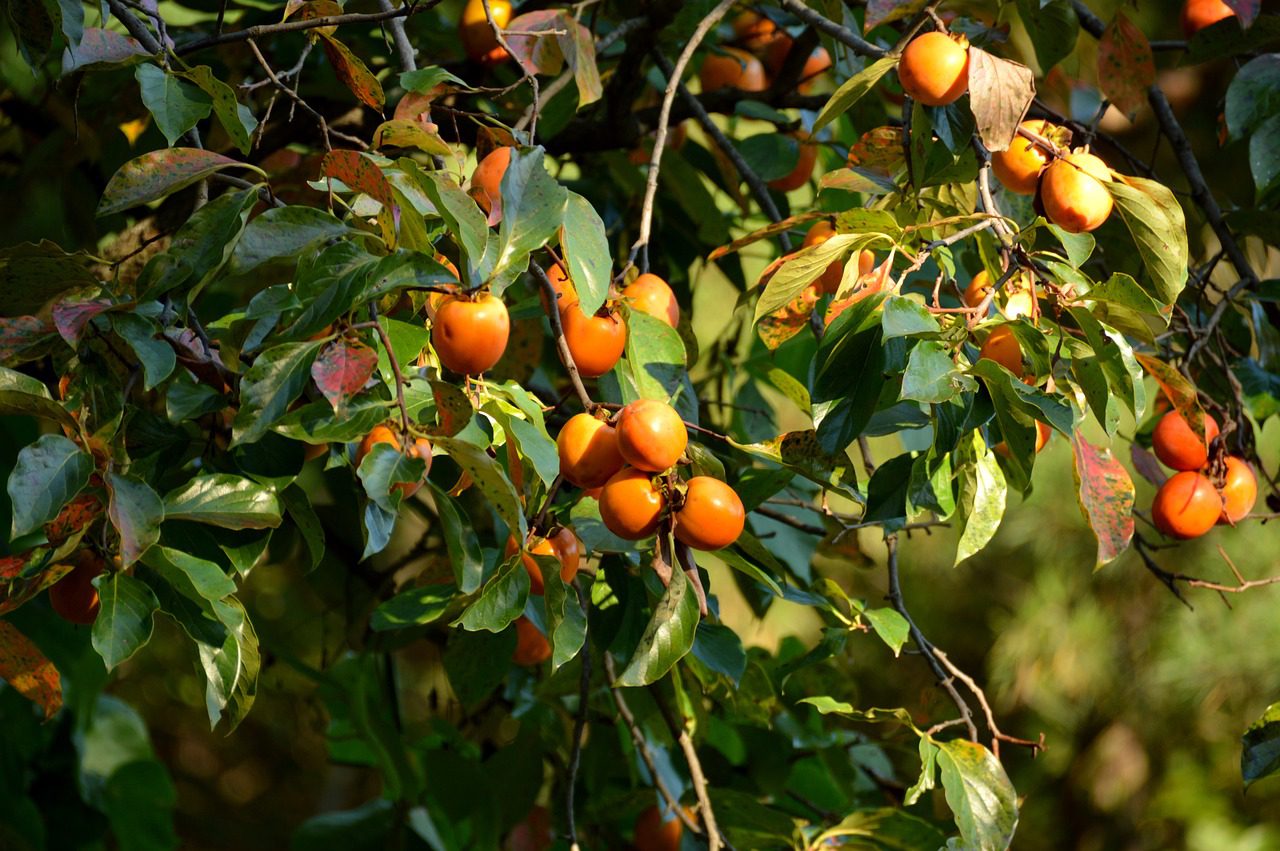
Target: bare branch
x,y
408,59
297,99
557,331
842,34
263,30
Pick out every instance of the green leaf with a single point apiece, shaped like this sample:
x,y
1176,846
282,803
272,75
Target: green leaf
x,y
1053,28
668,637
806,266
161,173
886,829
979,793
47,474
982,495
234,118
770,155
490,479
848,375
892,627
1264,156
283,233
23,395
124,620
175,105
566,621
586,251
383,469
157,356
905,317
414,607
853,90
719,648
1253,96
1155,219
136,512
656,361
277,377
463,217
296,502
533,205
423,80
533,443
200,248
887,492
932,376
830,706
231,671
501,601
139,799
460,540
194,577
1261,755
226,500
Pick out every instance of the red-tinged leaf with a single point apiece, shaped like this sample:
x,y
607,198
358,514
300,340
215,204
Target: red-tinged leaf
x,y
159,173
1000,92
16,589
879,151
1105,493
70,317
100,48
538,54
24,667
1146,465
20,333
1246,10
73,518
353,73
1180,392
342,369
784,323
360,174
11,566
883,11
579,50
866,285
1126,68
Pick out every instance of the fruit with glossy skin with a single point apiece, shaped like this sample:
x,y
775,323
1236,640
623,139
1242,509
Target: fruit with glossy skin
x,y
631,504
596,342
532,647
470,333
382,434
588,449
73,596
568,549
566,293
486,182
1019,167
651,435
977,291
1186,506
657,830
806,158
1002,347
712,515
1074,194
934,68
732,68
1239,490
652,295
477,36
541,547
1198,14
1177,446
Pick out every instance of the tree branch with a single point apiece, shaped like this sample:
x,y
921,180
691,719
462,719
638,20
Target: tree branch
x,y
264,30
842,34
408,60
557,331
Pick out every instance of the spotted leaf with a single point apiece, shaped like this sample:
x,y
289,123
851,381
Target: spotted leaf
x,y
1105,493
341,369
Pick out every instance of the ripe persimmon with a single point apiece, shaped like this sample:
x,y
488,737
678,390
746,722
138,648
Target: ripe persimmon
x,y
1043,433
1002,347
732,68
631,504
1073,193
1186,506
658,830
486,182
651,435
596,342
805,160
1177,446
829,282
73,596
540,547
568,549
470,333
1019,304
712,515
532,647
754,31
1198,14
652,295
934,69
382,434
588,449
477,36
976,292
1239,490
566,293
1019,167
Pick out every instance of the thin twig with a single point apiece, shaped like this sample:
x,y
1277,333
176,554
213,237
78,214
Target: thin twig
x,y
842,34
293,96
395,367
529,76
557,331
680,732
263,30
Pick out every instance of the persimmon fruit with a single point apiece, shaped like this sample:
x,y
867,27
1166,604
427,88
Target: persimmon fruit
x,y
1186,506
566,293
588,449
754,31
542,547
1043,433
1177,446
478,40
532,647
596,342
382,434
976,292
830,279
1198,14
1019,167
486,182
732,68
652,295
651,435
73,597
568,549
1074,193
1019,304
934,69
470,333
1239,491
631,504
1002,347
657,830
807,157
712,515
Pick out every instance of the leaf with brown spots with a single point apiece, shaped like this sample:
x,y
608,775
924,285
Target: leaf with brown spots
x,y
1177,389
1000,92
1105,494
800,451
342,369
878,151
16,589
159,173
74,517
883,11
353,73
102,48
784,323
70,317
19,334
453,409
1126,68
538,54
360,174
24,667
405,133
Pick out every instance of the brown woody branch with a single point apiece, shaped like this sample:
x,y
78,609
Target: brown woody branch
x,y
557,331
264,30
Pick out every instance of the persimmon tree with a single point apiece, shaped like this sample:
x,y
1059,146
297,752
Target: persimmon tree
x,y
408,320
